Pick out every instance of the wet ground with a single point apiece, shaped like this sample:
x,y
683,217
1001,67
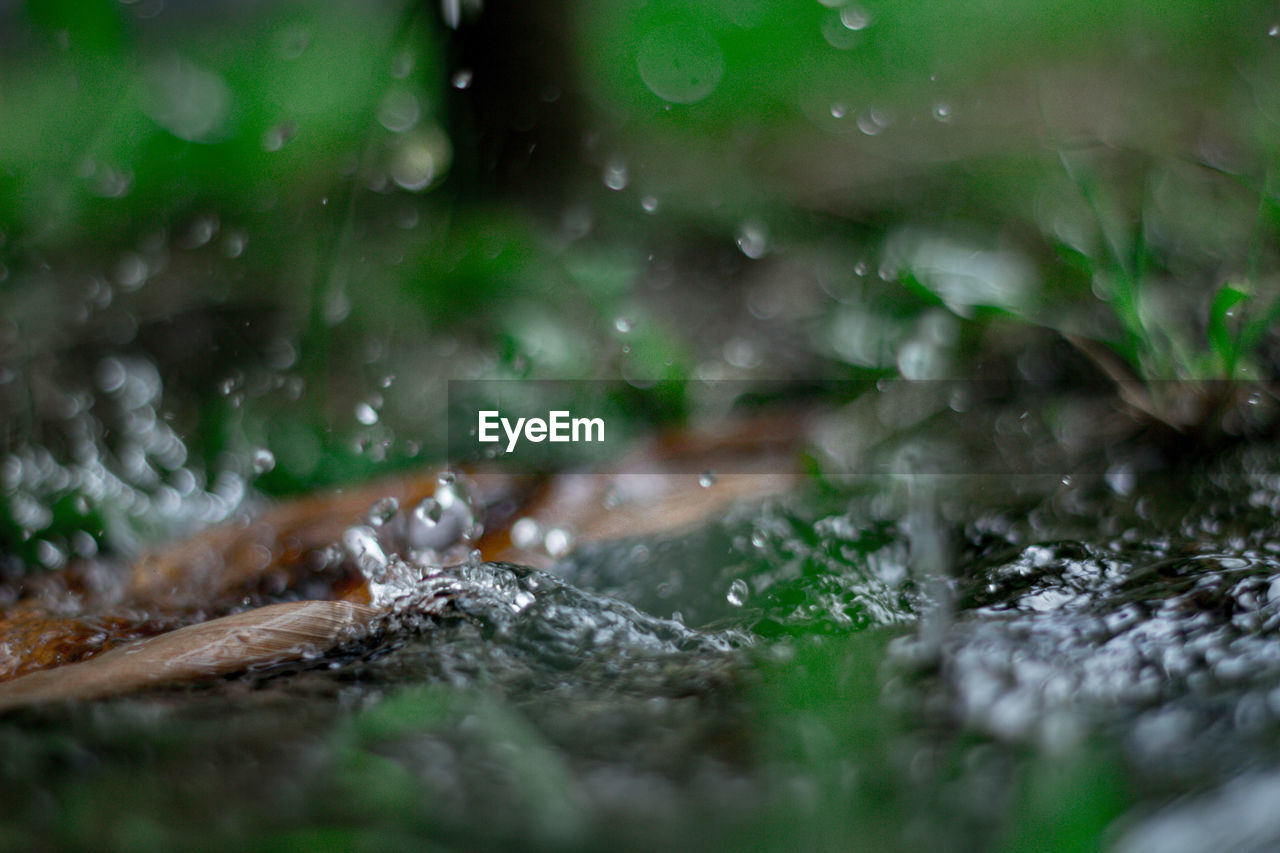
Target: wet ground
x,y
923,661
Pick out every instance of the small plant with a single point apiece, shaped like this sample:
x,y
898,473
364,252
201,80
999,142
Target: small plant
x,y
1194,367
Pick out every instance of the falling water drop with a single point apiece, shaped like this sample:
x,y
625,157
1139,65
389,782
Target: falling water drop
x,y
738,592
855,17
753,239
680,64
707,479
263,460
382,511
616,175
362,547
525,533
558,542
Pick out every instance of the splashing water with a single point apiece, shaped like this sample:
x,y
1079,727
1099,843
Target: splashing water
x,y
403,556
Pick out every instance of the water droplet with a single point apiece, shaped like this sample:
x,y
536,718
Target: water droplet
x,y
203,229
462,78
753,239
624,325
131,271
441,522
873,122
382,511
293,42
399,110
50,555
234,243
263,460
738,592
84,543
680,63
277,136
839,110
615,174
649,203
191,103
402,65
525,533
1274,31
1121,479
423,156
428,513
366,414
111,375
942,111
707,479
855,17
558,542
363,548
110,181
837,33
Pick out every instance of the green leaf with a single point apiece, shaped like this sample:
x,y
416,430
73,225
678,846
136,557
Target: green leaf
x,y
1223,340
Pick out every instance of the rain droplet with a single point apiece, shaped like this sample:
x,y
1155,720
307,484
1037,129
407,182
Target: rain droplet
x,y
873,122
1121,479
263,460
942,111
680,63
525,533
738,592
461,78
649,204
855,17
422,157
50,555
839,110
362,547
1274,31
707,479
366,414
402,65
615,174
753,239
428,512
278,136
191,103
111,375
111,182
558,541
131,271
293,42
399,110
234,243
382,511
202,230
624,325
